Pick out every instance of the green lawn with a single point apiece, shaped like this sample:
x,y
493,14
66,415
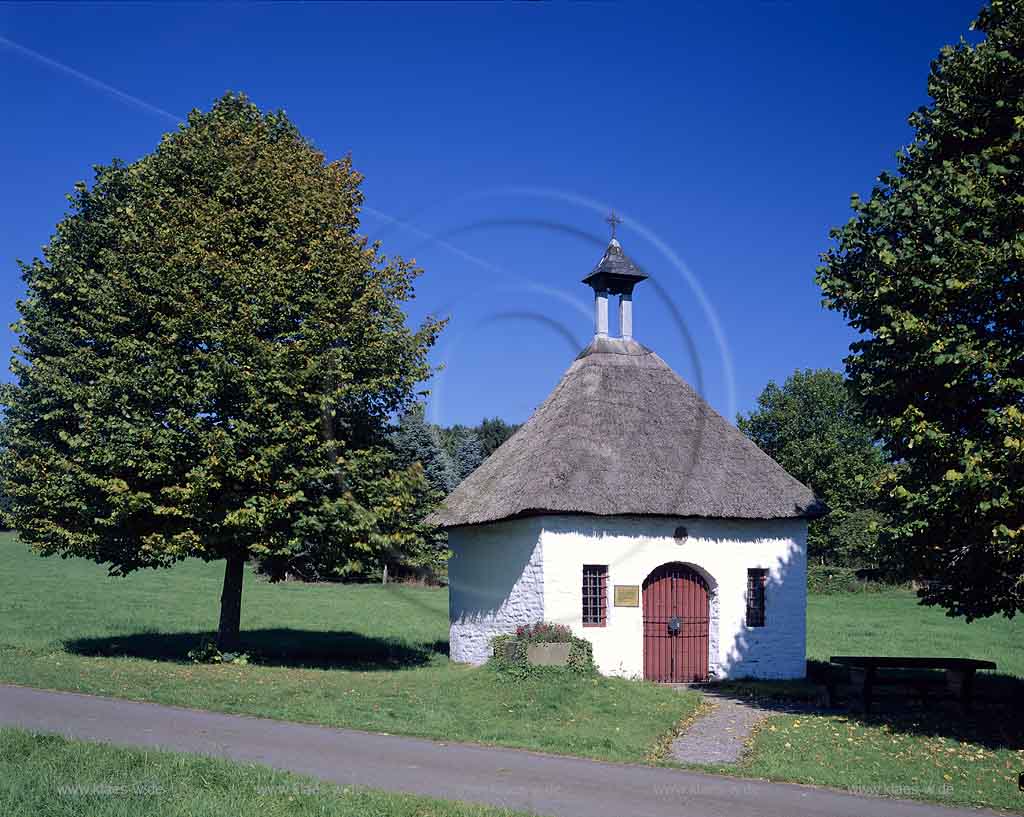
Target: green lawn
x,y
46,775
892,623
360,656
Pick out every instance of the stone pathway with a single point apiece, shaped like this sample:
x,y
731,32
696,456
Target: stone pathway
x,y
720,736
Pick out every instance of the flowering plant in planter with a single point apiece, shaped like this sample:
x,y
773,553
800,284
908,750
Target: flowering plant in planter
x,y
542,632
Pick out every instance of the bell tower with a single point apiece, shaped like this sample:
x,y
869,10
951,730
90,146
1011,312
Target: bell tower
x,y
615,274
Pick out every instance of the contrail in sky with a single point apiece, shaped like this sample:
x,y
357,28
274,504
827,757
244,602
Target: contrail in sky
x,y
150,108
405,225
88,80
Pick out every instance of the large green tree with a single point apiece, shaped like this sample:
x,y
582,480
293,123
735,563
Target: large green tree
x,y
929,271
812,427
209,357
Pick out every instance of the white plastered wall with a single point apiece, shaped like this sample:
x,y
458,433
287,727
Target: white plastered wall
x,y
721,550
520,571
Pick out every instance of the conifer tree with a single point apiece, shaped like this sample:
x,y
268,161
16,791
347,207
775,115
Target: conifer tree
x,y
469,453
417,441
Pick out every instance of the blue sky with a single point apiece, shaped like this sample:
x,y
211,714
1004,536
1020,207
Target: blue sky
x,y
494,137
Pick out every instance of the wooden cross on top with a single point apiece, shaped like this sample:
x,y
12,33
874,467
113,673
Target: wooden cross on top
x,y
613,221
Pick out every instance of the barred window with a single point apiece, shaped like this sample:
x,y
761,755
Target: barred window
x,y
757,580
595,595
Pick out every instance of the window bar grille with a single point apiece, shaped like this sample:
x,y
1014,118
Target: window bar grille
x,y
595,595
757,581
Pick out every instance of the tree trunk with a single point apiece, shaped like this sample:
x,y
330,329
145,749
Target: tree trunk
x,y
231,604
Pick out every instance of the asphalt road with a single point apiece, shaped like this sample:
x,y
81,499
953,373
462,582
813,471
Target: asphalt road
x,y
543,784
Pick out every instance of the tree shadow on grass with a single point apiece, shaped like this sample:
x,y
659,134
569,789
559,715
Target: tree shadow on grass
x,y
282,647
996,721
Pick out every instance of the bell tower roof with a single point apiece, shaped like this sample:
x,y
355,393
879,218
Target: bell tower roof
x,y
615,273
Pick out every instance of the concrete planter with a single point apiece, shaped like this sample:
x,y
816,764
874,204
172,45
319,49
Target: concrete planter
x,y
552,654
506,650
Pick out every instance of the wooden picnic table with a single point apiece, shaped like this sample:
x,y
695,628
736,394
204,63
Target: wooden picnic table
x,y
864,673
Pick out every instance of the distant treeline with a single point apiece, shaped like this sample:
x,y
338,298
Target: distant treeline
x,y
448,454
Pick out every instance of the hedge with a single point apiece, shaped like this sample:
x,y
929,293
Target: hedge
x,y
826,579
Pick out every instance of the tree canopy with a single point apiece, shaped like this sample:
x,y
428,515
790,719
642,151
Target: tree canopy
x,y
928,271
209,357
812,427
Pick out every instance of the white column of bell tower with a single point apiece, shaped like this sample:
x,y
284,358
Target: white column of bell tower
x,y
626,315
601,313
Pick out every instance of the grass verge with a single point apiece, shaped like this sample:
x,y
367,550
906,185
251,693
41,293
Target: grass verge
x,y
43,774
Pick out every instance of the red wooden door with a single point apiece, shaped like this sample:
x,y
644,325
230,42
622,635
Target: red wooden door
x,y
675,625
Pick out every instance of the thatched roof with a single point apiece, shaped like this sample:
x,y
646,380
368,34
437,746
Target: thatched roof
x,y
622,434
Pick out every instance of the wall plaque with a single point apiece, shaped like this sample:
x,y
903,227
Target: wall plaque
x,y
627,595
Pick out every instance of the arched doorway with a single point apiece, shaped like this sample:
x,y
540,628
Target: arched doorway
x,y
676,625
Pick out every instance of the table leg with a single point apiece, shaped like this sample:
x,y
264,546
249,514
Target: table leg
x,y
869,681
862,680
961,683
